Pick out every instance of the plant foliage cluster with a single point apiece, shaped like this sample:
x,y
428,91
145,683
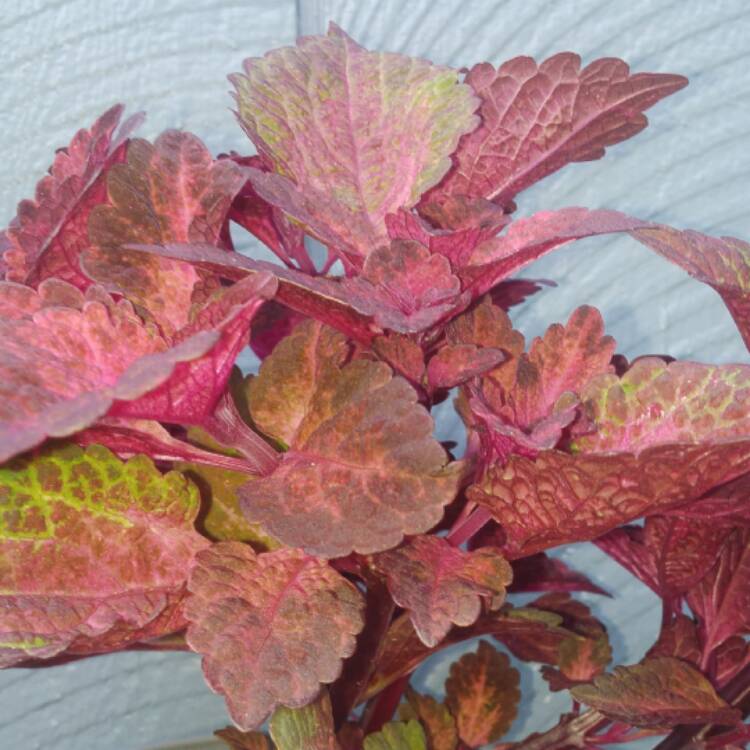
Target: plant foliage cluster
x,y
302,529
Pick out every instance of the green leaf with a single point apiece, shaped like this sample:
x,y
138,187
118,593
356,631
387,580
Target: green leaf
x,y
397,735
94,552
306,728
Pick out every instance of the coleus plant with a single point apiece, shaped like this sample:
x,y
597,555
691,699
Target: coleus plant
x,y
301,528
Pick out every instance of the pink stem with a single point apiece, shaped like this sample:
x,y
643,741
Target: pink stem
x,y
464,529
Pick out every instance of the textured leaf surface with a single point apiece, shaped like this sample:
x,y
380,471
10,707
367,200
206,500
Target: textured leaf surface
x,y
655,403
453,228
560,498
683,550
49,233
359,133
538,117
171,191
722,599
94,552
66,360
440,585
408,288
363,470
436,720
562,361
271,628
397,735
307,728
658,692
723,263
482,692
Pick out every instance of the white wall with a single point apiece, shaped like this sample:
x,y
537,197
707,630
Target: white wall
x,y
62,63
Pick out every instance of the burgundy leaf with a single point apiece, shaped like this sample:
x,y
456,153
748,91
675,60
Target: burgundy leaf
x,y
453,228
440,585
456,363
723,263
94,552
129,437
49,233
403,354
722,599
532,237
316,297
538,117
657,692
64,366
273,322
405,288
542,573
560,498
268,223
626,545
171,191
271,628
363,469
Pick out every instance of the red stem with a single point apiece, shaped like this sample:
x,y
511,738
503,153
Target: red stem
x,y
381,708
465,528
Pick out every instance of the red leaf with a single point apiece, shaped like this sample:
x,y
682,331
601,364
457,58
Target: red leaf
x,y
683,551
722,599
364,469
440,585
65,365
171,191
406,288
403,354
532,237
657,692
524,403
271,627
723,263
129,437
456,363
49,233
482,692
559,498
273,322
542,573
94,552
626,546
457,226
268,223
678,639
537,118
317,297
